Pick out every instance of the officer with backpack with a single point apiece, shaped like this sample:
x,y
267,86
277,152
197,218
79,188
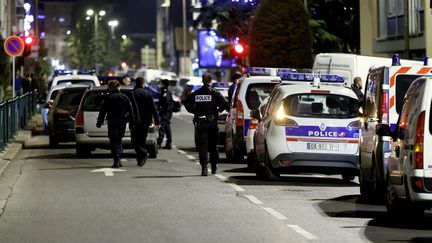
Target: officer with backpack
x,y
165,108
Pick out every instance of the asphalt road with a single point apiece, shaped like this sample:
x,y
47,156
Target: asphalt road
x,y
53,196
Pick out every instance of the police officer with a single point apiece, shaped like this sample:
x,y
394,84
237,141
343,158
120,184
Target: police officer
x,y
118,110
146,113
205,103
165,107
234,78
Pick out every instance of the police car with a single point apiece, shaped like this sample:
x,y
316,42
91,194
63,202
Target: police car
x,y
309,128
248,94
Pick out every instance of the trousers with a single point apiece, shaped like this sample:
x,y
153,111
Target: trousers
x,y
139,139
165,128
208,132
116,131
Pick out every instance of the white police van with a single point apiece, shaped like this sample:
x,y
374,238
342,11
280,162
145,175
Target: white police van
x,y
309,128
409,169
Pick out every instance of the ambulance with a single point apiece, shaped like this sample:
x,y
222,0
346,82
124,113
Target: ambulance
x,y
309,128
385,90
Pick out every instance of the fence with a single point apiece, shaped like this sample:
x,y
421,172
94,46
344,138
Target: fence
x,y
14,115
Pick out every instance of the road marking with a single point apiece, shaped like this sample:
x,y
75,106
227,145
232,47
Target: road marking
x,y
253,199
236,187
182,152
302,232
190,157
274,213
221,177
169,161
108,171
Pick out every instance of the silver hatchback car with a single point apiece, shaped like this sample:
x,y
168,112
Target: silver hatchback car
x,y
89,137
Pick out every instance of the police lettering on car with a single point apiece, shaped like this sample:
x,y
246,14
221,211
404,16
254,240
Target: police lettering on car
x,y
205,103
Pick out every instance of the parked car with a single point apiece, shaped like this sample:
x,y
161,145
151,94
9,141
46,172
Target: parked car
x,y
85,79
309,128
222,87
89,137
61,116
248,94
409,177
52,94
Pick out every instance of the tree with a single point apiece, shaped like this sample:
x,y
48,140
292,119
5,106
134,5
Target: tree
x,y
280,35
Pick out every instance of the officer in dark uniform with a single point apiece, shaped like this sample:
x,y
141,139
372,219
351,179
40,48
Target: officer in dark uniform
x,y
165,107
118,110
234,78
205,104
146,114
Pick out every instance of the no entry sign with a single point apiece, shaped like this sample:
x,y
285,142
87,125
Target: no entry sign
x,y
14,46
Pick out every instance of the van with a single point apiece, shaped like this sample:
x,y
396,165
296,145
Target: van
x,y
409,177
385,91
351,65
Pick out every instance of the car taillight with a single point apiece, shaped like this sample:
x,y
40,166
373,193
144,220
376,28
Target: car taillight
x,y
418,147
384,108
354,125
240,114
60,113
253,123
79,119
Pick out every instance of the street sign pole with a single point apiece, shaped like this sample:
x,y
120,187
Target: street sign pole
x,y
13,77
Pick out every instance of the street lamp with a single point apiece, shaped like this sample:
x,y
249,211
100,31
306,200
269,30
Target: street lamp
x,y
113,24
91,12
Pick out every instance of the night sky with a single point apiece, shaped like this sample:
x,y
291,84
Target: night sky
x,y
136,16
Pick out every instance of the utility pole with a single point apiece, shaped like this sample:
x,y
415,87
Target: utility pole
x,y
406,28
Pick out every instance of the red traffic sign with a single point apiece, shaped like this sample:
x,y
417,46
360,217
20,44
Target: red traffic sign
x,y
14,46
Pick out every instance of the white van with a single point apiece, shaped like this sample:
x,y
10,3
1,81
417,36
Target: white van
x,y
351,65
409,177
385,91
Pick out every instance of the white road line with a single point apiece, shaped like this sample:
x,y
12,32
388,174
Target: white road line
x,y
221,177
302,232
253,199
274,213
181,151
236,187
197,163
190,157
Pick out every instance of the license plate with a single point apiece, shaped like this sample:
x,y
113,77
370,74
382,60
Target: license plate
x,y
323,146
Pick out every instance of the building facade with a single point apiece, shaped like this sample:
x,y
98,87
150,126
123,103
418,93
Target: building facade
x,y
396,26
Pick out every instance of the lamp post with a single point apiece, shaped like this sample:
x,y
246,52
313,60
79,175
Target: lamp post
x,y
113,24
90,13
184,38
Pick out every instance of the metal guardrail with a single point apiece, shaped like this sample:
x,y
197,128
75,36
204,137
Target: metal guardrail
x,y
14,115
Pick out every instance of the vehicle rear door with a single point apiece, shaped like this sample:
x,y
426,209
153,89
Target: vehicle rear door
x,y
91,105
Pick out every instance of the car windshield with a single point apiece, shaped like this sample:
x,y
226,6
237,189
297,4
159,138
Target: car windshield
x,y
93,100
70,99
76,81
320,106
256,93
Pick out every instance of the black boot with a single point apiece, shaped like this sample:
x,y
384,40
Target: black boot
x,y
167,146
204,170
116,165
214,168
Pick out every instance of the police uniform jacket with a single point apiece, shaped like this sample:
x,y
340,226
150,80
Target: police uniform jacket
x,y
206,101
146,109
165,101
116,105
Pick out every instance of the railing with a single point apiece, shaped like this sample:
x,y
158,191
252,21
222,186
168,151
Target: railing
x,y
14,115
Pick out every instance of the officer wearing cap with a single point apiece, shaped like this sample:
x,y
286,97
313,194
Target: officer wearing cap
x,y
205,104
118,110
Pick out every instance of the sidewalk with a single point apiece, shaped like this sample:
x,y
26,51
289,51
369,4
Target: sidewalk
x,y
34,127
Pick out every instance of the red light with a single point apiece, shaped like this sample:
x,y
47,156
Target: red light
x,y
28,40
238,48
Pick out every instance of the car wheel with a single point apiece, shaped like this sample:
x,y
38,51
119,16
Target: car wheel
x,y
152,151
347,177
53,142
379,189
271,174
395,206
82,151
251,160
366,188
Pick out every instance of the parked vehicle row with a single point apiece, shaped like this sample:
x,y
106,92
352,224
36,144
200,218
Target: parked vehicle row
x,y
320,127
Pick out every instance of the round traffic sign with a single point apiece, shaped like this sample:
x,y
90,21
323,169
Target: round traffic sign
x,y
14,46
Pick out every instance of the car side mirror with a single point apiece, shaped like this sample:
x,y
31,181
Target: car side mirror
x,y
255,113
383,130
